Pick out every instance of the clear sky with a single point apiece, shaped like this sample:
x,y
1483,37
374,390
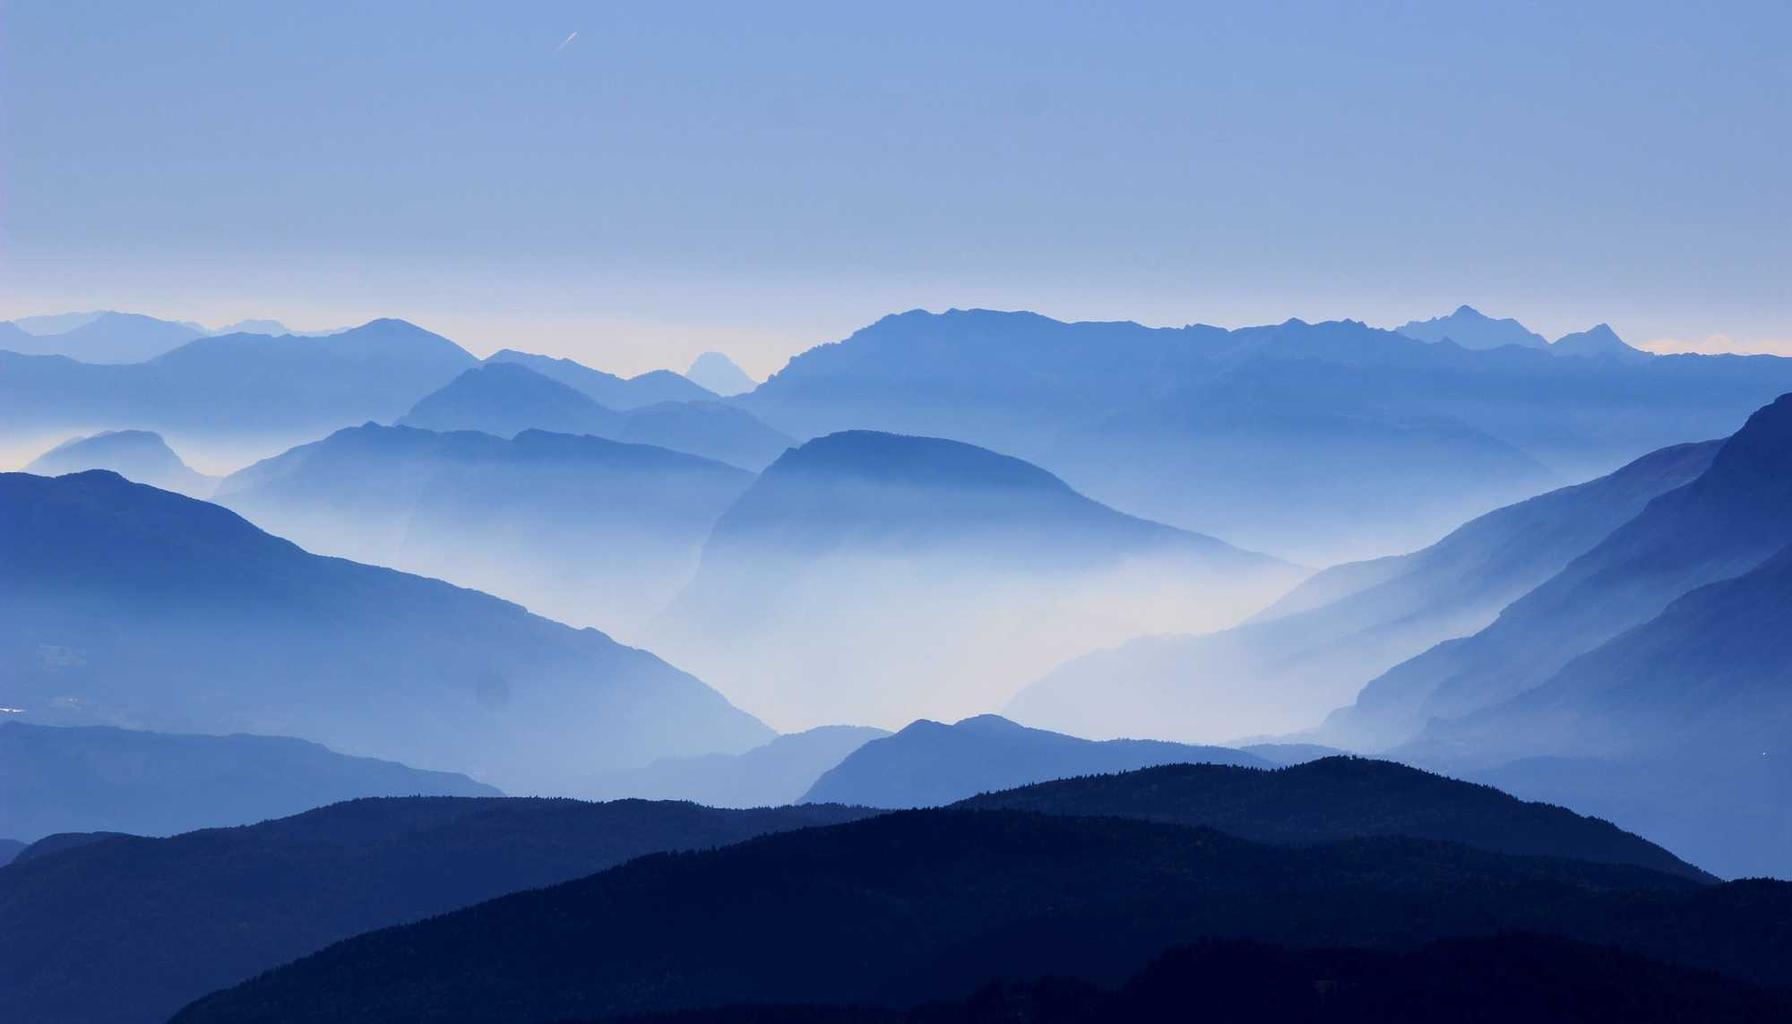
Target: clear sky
x,y
633,183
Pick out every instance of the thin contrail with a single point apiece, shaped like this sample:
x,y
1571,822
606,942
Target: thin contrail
x,y
564,43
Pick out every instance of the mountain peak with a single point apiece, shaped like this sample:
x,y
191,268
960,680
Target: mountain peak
x,y
139,455
1596,341
718,373
1472,329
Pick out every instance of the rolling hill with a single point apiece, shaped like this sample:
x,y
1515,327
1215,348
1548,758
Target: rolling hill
x,y
922,905
124,930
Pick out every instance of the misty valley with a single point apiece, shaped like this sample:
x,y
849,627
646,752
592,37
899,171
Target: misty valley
x,y
977,666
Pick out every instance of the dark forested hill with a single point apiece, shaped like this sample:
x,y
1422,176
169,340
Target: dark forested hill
x,y
1339,798
920,905
125,930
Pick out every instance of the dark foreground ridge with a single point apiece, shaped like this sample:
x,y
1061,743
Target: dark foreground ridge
x,y
1471,981
125,930
925,905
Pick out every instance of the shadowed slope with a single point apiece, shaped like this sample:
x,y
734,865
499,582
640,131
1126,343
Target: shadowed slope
x,y
125,930
133,605
1315,648
920,905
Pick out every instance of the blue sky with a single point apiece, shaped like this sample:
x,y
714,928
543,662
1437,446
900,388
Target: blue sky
x,y
761,177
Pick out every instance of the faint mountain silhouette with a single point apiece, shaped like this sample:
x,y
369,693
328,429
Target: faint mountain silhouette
x,y
720,374
930,764
1598,342
102,337
91,779
779,772
238,385
607,389
1472,329
583,529
504,398
138,455
1321,442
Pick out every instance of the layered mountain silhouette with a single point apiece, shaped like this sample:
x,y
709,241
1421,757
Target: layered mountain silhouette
x,y
607,389
1322,442
922,905
1678,728
506,397
583,529
1473,329
779,772
120,780
1598,342
137,455
102,337
1318,645
720,374
130,605
1728,520
1338,798
930,764
1473,981
209,909
867,577
10,849
241,385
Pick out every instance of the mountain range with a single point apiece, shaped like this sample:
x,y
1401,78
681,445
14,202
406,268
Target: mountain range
x,y
1248,434
815,583
1643,681
931,764
606,389
96,778
99,337
1729,519
506,397
124,930
585,530
1315,647
134,606
238,386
